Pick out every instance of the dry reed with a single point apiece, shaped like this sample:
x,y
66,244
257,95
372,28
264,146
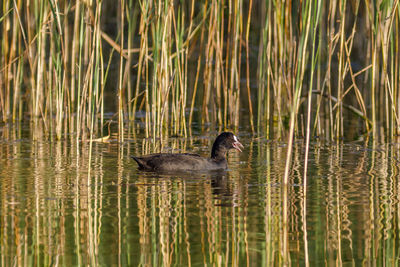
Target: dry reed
x,y
52,68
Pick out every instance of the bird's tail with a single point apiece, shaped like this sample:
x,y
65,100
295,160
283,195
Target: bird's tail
x,y
142,164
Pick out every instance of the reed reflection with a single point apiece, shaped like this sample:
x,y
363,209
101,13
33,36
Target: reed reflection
x,y
54,213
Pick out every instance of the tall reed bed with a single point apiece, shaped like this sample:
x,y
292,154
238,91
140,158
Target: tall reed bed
x,y
345,61
52,66
181,62
204,33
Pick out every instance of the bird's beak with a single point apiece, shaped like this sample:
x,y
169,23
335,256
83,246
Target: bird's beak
x,y
237,145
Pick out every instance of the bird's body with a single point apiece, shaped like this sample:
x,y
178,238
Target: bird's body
x,y
170,162
179,162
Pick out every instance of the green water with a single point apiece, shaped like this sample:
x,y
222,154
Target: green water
x,y
55,210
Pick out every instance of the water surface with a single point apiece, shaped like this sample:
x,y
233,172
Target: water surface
x,y
57,209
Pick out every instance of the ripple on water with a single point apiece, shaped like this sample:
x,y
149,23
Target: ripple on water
x,y
349,203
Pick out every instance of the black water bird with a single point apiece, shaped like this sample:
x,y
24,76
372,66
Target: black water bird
x,y
192,162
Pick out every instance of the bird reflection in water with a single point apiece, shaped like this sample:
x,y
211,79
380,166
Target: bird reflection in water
x,y
221,189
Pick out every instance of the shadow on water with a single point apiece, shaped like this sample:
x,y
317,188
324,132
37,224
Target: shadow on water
x,y
56,209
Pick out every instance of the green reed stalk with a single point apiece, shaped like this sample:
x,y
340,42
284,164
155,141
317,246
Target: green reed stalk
x,y
102,78
75,52
389,15
301,64
314,13
374,51
59,74
52,86
154,111
281,69
20,38
132,18
332,44
121,67
396,72
147,95
6,71
160,68
127,82
394,52
37,91
183,76
270,80
96,100
209,52
10,70
203,30
29,56
393,126
79,87
263,88
179,103
315,16
17,100
341,70
88,67
98,74
225,73
64,28
189,36
234,95
220,84
248,66
142,61
186,61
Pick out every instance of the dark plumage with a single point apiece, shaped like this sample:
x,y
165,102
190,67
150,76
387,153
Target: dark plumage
x,y
192,162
